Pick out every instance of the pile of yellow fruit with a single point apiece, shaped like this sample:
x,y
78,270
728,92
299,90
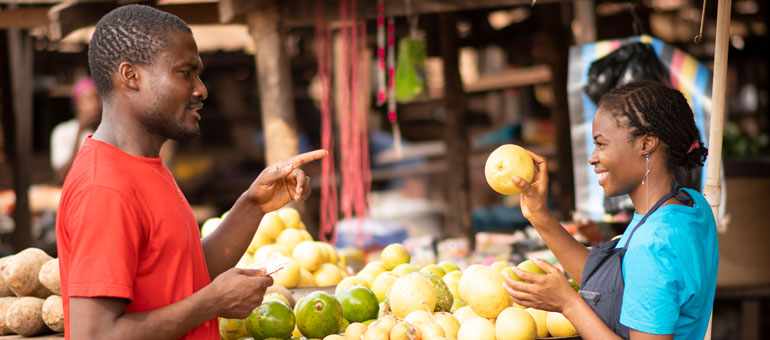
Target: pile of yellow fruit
x,y
435,302
478,307
310,263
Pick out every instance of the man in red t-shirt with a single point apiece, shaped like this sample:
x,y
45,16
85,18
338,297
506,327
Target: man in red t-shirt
x,y
132,263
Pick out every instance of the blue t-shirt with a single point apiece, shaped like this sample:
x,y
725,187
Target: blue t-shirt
x,y
670,270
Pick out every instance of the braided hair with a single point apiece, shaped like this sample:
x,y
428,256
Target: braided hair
x,y
651,108
132,33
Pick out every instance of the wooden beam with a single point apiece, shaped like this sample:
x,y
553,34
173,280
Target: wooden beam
x,y
70,16
300,13
456,137
275,87
24,18
21,61
206,13
230,10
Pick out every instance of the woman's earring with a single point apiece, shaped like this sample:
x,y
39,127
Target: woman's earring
x,y
647,164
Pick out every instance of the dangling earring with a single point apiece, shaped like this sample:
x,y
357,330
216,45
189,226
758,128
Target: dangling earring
x,y
645,180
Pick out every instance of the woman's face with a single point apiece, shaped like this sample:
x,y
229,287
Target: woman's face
x,y
618,162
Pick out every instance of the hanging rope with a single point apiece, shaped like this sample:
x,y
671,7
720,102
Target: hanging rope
x,y
329,207
356,175
381,87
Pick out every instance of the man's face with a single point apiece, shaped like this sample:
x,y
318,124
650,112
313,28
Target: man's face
x,y
172,91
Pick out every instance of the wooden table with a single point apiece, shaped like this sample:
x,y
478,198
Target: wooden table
x,y
58,336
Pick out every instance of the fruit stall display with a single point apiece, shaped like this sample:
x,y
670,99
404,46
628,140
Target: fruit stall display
x,y
30,301
394,299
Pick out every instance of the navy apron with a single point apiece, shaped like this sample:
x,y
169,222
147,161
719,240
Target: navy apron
x,y
602,285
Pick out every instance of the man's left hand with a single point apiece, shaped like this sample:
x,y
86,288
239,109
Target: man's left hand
x,y
280,183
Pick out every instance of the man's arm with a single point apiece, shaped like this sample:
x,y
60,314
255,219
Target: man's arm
x,y
233,294
277,185
225,246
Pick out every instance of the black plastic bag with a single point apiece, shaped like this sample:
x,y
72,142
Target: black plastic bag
x,y
632,62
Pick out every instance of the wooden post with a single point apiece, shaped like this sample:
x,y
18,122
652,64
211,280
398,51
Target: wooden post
x,y
274,82
20,51
553,49
713,189
584,25
458,189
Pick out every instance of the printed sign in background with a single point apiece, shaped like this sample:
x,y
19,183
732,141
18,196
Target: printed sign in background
x,y
687,75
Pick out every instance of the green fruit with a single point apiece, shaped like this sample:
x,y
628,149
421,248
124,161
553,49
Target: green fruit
x,y
232,329
358,303
444,298
527,266
272,319
318,315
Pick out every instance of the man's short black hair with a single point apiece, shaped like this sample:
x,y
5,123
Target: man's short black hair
x,y
132,33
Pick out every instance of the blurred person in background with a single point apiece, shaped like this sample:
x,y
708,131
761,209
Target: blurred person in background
x,y
67,136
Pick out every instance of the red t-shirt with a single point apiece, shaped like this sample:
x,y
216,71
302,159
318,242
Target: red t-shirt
x,y
125,230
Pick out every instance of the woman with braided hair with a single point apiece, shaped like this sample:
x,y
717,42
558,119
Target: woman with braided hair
x,y
657,281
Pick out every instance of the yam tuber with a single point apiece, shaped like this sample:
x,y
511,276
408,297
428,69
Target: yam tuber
x,y
5,303
22,270
25,316
53,313
49,276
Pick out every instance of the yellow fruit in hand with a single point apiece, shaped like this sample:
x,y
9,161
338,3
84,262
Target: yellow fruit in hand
x,y
271,225
289,217
393,255
505,162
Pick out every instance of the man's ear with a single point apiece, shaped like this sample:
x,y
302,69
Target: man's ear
x,y
128,75
650,143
